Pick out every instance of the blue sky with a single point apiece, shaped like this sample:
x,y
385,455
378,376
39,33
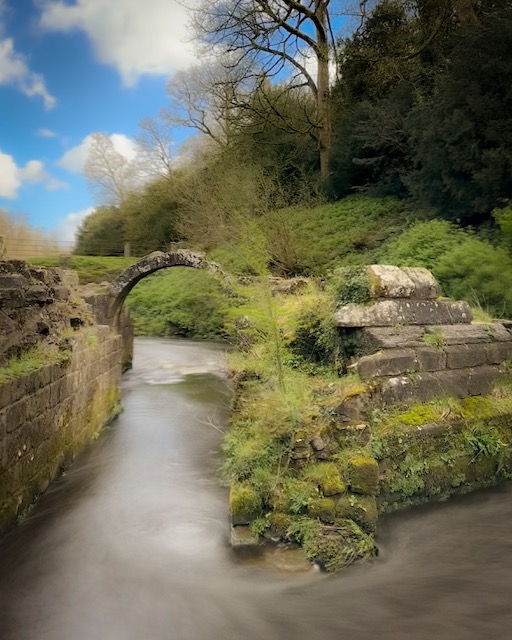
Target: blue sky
x,y
68,69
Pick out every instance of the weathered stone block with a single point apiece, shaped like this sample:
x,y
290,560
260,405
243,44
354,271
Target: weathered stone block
x,y
361,509
460,356
385,313
375,338
12,281
15,415
323,509
430,359
394,282
470,333
389,282
38,293
363,475
386,363
424,386
482,379
352,408
498,352
426,286
244,503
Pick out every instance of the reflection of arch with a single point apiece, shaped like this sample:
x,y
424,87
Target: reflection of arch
x,y
125,282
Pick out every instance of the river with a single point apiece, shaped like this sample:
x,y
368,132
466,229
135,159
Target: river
x,y
132,542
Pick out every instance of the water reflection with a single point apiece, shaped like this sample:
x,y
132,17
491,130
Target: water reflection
x,y
132,543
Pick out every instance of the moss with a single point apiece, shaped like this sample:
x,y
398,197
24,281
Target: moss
x,y
244,503
360,509
418,415
327,477
323,509
279,523
364,475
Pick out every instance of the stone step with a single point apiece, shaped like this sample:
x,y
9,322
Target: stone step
x,y
373,339
394,362
426,386
401,312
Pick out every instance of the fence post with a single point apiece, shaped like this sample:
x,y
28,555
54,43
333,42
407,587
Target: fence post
x,y
127,253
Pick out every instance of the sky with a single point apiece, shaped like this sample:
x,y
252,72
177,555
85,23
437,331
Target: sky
x,y
69,68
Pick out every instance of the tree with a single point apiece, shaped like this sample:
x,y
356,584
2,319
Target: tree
x,y
462,136
154,147
209,97
110,174
279,37
101,233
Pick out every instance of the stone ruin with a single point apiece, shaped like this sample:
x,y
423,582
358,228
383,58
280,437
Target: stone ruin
x,y
413,345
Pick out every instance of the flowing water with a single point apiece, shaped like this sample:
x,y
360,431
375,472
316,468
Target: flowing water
x,y
132,543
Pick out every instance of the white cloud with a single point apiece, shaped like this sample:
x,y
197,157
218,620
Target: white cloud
x,y
46,133
137,38
67,227
14,71
9,176
12,177
74,159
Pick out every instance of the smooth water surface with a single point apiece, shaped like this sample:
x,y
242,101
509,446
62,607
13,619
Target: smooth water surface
x,y
132,543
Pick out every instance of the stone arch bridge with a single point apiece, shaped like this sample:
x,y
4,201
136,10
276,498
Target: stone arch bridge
x,y
124,283
108,305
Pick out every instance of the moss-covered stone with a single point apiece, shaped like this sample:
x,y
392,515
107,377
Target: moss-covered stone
x,y
327,477
323,509
361,509
363,475
244,503
279,523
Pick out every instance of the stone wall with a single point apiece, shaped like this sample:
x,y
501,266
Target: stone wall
x,y
47,416
413,346
60,381
101,304
433,404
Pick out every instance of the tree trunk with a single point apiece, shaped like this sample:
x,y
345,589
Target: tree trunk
x,y
323,93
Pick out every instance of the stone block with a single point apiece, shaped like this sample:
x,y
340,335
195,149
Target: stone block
x,y
470,333
375,338
481,379
12,281
388,281
363,475
397,390
426,286
38,293
430,359
424,386
241,536
395,282
12,298
460,356
390,313
392,362
15,415
352,408
498,352
361,509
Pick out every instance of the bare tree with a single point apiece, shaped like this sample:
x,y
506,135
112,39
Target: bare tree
x,y
110,174
210,97
154,144
281,37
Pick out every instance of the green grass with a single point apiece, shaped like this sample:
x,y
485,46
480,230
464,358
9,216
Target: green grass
x,y
89,268
32,360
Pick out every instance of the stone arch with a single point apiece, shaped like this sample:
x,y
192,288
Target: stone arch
x,y
155,261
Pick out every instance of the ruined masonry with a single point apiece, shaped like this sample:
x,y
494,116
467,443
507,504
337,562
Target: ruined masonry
x,y
414,346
